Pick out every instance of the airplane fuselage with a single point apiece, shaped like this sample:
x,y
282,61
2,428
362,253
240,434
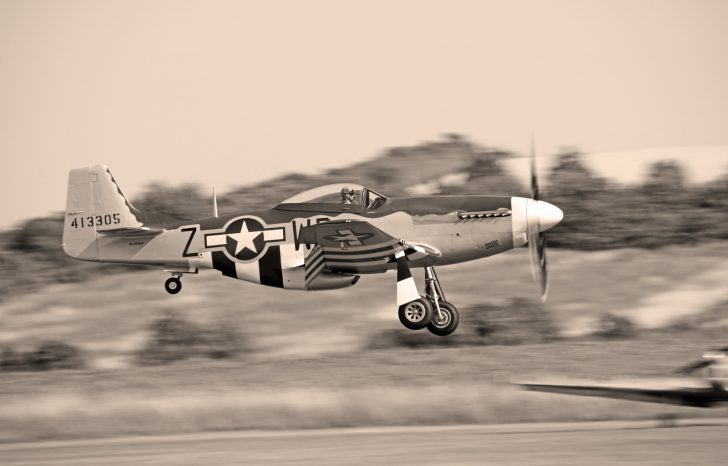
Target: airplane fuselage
x,y
266,246
321,238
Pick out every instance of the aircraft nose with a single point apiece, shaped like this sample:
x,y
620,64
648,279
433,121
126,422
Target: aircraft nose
x,y
548,215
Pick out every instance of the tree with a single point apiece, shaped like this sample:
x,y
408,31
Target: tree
x,y
665,183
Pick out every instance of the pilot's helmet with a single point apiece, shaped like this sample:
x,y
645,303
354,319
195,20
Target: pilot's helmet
x,y
347,191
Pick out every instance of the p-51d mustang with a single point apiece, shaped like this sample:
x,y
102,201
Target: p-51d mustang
x,y
320,239
697,392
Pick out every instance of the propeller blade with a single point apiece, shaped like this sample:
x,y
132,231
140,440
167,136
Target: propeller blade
x,y
535,194
539,265
536,238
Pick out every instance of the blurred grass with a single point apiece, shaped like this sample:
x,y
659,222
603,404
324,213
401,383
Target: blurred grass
x,y
109,414
382,387
309,360
109,317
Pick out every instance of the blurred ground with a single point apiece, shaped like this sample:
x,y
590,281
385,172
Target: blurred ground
x,y
329,359
694,443
109,316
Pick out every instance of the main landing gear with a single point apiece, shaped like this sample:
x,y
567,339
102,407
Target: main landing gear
x,y
430,310
416,315
173,285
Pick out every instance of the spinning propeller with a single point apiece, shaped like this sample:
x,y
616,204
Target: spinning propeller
x,y
541,216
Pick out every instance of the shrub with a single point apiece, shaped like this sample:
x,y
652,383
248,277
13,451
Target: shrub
x,y
403,338
518,322
612,326
174,339
11,360
54,355
50,355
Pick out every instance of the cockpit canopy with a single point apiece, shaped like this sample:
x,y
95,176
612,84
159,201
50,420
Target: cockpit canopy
x,y
335,198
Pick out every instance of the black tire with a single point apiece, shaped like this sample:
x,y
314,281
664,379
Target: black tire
x,y
173,285
415,315
449,323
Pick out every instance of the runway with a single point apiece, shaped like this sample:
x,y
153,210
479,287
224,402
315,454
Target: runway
x,y
698,442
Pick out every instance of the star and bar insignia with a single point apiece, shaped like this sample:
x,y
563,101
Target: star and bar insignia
x,y
245,238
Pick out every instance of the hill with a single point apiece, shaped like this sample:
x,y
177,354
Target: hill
x,y
599,213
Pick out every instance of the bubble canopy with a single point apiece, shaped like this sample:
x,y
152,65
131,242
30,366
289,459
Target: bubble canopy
x,y
330,197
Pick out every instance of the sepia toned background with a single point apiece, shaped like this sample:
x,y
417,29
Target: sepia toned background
x,y
629,108
226,93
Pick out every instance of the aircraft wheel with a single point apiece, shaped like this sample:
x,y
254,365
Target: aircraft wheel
x,y
173,285
416,314
448,323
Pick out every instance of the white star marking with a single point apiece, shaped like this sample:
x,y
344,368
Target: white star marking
x,y
244,239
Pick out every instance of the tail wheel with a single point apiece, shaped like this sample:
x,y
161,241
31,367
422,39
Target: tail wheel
x,y
445,323
173,285
416,314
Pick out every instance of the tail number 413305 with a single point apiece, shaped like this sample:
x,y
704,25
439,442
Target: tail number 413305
x,y
89,221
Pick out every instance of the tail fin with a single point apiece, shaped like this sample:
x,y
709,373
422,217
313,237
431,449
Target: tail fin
x,y
94,204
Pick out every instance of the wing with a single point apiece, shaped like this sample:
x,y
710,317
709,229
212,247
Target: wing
x,y
689,396
355,246
350,247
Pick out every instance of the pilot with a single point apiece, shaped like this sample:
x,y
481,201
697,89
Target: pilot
x,y
347,195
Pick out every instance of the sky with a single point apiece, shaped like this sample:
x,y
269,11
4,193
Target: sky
x,y
224,93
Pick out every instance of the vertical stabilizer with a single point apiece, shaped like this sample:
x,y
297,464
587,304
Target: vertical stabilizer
x,y
94,203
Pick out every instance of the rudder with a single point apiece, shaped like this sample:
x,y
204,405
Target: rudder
x,y
94,203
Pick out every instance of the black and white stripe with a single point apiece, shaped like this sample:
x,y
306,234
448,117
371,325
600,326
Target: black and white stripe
x,y
313,264
354,259
269,270
406,288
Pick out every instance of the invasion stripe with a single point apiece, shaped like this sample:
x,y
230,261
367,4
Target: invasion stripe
x,y
313,270
270,267
222,263
316,266
313,258
314,273
317,252
314,263
403,270
311,262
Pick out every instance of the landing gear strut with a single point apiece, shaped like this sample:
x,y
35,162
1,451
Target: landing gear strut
x,y
173,285
445,316
417,311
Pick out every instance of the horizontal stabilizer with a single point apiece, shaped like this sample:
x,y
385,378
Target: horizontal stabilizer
x,y
135,232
